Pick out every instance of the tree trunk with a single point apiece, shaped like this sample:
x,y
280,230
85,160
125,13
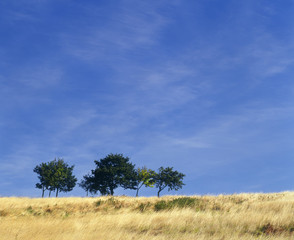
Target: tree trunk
x,y
87,193
159,192
57,192
50,193
138,188
111,191
43,191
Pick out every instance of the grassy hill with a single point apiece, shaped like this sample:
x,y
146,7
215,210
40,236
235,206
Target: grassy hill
x,y
242,216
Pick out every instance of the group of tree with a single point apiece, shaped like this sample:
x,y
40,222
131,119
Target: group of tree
x,y
111,172
55,176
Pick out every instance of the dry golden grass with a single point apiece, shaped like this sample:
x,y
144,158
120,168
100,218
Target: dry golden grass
x,y
242,216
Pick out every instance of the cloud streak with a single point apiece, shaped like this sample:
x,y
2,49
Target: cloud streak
x,y
130,28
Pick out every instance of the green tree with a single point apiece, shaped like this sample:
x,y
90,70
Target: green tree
x,y
145,177
112,172
50,176
63,179
86,183
55,176
166,177
42,170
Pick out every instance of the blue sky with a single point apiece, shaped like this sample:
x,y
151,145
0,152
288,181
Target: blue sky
x,y
204,86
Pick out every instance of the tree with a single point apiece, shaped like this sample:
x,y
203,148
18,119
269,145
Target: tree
x,y
145,177
112,172
50,176
86,183
166,177
42,170
55,176
63,179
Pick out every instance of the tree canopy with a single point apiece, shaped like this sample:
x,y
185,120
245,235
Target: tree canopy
x,y
43,174
56,175
167,177
145,177
86,183
111,172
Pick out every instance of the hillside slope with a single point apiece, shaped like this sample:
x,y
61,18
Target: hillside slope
x,y
242,216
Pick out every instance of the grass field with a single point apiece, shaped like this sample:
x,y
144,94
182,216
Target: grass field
x,y
242,216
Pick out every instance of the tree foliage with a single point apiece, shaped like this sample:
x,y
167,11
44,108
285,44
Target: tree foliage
x,y
86,183
55,176
167,177
42,170
145,177
112,172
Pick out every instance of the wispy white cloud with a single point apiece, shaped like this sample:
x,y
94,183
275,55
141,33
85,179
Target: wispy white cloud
x,y
269,56
14,12
17,16
247,126
132,26
189,142
21,160
39,77
160,89
36,77
25,87
249,135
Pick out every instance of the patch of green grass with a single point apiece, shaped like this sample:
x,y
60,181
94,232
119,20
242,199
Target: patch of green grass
x,y
66,215
161,205
30,209
270,229
185,202
144,206
98,203
109,202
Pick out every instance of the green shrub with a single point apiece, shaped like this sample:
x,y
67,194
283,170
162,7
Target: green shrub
x,y
144,206
185,202
112,201
109,202
161,205
30,209
98,203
